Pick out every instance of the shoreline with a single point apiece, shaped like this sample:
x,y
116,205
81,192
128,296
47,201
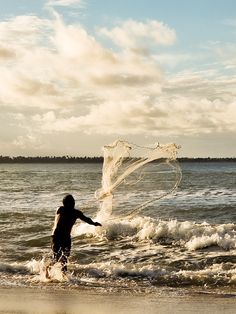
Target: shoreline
x,y
49,300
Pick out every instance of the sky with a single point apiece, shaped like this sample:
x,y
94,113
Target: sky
x,y
79,74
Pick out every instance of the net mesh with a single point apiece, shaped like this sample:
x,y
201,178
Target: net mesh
x,y
134,177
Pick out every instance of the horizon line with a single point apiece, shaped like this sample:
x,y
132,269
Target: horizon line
x,y
67,158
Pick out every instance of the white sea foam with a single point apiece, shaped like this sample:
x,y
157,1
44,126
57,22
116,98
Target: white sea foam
x,y
117,230
13,268
83,229
211,274
191,235
225,241
44,272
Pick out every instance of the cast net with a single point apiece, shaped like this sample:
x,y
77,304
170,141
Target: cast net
x,y
135,177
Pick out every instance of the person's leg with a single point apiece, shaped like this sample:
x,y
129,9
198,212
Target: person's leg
x,y
56,254
64,259
56,249
65,254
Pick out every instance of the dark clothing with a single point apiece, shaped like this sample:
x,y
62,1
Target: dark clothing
x,y
67,218
61,250
61,239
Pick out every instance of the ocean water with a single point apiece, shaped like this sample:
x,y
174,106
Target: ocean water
x,y
185,240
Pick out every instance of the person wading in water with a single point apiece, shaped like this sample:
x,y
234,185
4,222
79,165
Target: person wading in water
x,y
65,218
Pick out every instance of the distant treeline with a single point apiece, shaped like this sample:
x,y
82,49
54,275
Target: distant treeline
x,y
50,159
69,159
201,159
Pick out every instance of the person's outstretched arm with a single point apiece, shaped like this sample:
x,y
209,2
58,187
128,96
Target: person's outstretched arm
x,y
87,219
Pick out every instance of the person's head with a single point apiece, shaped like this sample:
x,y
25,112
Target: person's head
x,y
68,201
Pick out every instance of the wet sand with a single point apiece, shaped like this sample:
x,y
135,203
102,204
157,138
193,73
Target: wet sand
x,y
48,301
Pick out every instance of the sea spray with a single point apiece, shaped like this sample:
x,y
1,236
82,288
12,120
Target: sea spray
x,y
45,272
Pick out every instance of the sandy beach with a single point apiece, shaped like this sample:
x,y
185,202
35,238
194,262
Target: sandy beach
x,y
47,301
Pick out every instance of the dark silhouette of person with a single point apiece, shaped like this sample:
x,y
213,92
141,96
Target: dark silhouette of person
x,y
64,220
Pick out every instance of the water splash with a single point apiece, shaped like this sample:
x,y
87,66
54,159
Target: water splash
x,y
124,167
44,271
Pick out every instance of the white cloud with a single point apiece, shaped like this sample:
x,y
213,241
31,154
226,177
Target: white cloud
x,y
65,2
230,22
172,59
23,142
165,114
140,36
59,79
65,64
23,31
